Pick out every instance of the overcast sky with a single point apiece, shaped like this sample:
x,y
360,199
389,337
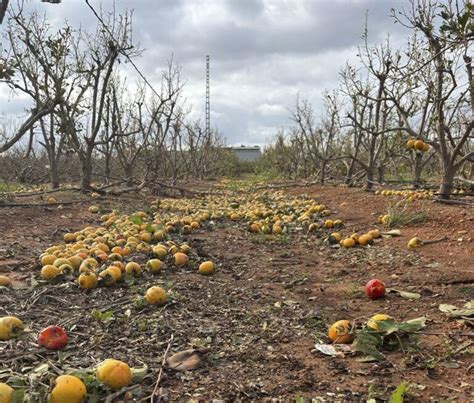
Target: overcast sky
x,y
263,52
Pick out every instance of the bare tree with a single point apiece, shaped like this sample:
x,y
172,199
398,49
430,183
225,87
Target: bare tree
x,y
447,34
319,137
95,59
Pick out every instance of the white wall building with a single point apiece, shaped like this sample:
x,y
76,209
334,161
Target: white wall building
x,y
247,153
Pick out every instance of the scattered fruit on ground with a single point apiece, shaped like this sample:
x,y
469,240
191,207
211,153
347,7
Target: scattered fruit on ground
x,y
409,195
68,389
206,268
340,332
373,322
133,268
156,296
87,281
375,233
94,209
180,259
10,327
53,337
5,393
364,239
334,237
115,272
154,265
47,259
348,242
69,237
4,281
114,373
414,243
375,289
49,272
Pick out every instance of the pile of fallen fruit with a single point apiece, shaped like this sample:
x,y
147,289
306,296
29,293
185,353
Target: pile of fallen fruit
x,y
127,247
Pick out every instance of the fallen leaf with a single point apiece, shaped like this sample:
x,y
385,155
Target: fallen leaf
x,y
185,360
456,312
393,232
333,349
138,374
368,344
405,294
413,325
398,395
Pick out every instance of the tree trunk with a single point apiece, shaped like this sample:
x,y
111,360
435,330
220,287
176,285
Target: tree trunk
x,y
53,173
86,170
446,187
107,169
381,173
369,184
350,173
371,165
417,168
128,170
322,176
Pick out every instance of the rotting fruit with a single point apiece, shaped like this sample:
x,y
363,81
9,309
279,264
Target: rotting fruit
x,y
49,272
5,393
10,327
373,322
68,389
364,239
414,243
375,289
156,296
87,280
206,268
4,281
180,259
348,243
133,268
340,332
53,337
114,373
154,265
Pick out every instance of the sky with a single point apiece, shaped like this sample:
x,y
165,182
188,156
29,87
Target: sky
x,y
263,52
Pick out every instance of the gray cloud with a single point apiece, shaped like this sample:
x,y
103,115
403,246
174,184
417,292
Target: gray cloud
x,y
263,52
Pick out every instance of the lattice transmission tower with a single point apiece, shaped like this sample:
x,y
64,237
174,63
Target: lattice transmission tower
x,y
208,97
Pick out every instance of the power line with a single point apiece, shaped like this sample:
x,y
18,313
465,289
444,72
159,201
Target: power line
x,y
121,50
142,76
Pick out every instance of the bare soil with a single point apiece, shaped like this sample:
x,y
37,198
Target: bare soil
x,y
260,315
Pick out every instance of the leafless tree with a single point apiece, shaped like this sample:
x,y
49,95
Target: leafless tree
x,y
34,70
446,34
96,57
320,137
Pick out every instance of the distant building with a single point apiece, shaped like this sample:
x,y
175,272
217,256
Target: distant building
x,y
247,153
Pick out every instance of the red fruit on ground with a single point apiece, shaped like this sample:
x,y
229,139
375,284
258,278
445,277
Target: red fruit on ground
x,y
52,337
375,289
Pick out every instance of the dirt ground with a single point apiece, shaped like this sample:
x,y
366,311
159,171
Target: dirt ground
x,y
260,315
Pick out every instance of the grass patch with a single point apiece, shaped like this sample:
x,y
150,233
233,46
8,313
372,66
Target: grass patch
x,y
398,215
465,290
269,238
354,290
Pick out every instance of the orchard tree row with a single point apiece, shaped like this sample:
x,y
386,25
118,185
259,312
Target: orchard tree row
x,y
398,110
86,118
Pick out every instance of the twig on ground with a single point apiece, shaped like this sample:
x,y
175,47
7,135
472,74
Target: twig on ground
x,y
112,396
163,363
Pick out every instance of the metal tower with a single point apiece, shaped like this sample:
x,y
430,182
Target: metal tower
x,y
208,99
